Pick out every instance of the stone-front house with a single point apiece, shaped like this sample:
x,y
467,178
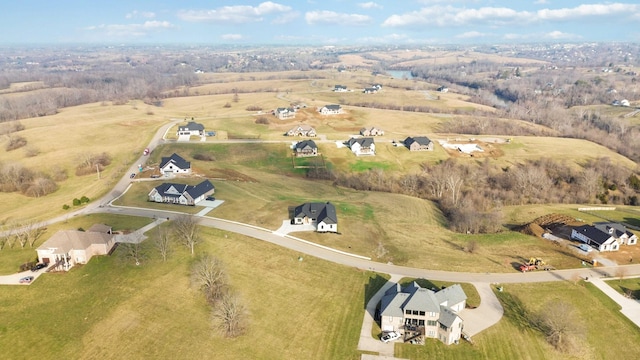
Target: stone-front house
x,y
330,110
434,314
362,146
302,130
174,164
418,143
305,148
321,215
372,131
181,194
604,236
285,113
67,248
192,128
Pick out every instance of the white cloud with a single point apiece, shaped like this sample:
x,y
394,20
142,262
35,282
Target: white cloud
x,y
237,14
386,39
553,35
140,14
559,35
471,35
286,17
333,18
541,2
455,16
370,5
232,37
131,30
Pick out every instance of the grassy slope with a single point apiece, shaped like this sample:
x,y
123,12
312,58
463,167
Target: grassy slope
x,y
151,311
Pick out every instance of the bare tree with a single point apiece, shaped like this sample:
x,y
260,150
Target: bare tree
x,y
163,243
134,251
185,228
230,316
210,276
34,231
561,325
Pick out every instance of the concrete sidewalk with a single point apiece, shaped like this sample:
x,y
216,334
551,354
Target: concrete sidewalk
x,y
630,307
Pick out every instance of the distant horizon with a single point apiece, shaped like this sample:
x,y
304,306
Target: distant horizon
x,y
314,23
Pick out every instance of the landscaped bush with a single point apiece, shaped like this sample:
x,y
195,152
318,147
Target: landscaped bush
x,y
254,108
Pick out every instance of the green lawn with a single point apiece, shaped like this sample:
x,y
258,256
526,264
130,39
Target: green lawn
x,y
627,287
12,258
513,338
112,309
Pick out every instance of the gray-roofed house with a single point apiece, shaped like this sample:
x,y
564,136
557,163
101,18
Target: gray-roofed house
x,y
418,143
435,314
370,90
66,248
285,113
604,236
330,109
302,130
181,194
192,128
340,88
174,164
362,146
322,215
371,131
305,148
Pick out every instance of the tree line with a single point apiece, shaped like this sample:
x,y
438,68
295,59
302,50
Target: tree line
x,y
471,194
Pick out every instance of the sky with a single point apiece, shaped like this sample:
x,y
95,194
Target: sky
x,y
317,22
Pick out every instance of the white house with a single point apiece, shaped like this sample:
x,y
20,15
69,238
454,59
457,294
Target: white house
x,y
181,194
321,215
192,128
285,113
420,310
604,236
362,146
330,110
340,88
67,248
174,164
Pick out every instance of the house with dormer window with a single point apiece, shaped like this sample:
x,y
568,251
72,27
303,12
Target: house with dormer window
x,y
416,309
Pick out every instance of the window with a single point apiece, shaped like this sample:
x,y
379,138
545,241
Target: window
x,y
443,327
415,312
421,313
420,322
431,323
432,314
408,312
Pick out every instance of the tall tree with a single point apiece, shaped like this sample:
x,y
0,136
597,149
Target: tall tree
x,y
185,228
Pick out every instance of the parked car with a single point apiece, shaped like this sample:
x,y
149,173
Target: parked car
x,y
26,280
391,336
38,266
585,248
132,175
211,198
